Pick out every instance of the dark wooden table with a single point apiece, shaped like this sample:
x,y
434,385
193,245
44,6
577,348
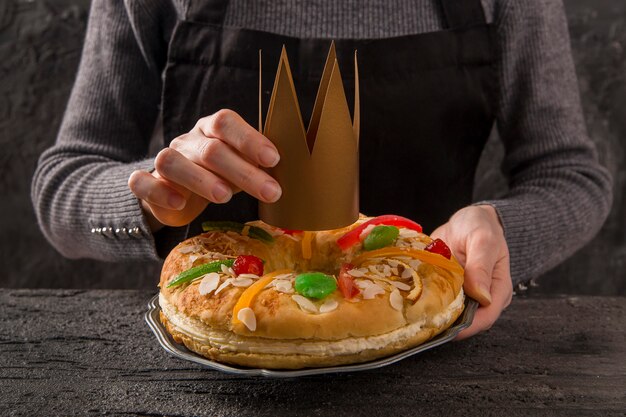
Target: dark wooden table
x,y
90,353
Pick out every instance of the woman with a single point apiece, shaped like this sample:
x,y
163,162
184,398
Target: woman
x,y
435,76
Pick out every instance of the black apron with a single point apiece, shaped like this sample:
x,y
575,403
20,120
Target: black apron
x,y
426,102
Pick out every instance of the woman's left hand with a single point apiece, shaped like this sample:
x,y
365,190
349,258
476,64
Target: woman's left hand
x,y
476,238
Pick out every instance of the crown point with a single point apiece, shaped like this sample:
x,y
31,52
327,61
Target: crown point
x,y
319,168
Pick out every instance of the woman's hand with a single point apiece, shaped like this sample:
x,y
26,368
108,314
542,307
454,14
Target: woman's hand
x,y
220,156
476,238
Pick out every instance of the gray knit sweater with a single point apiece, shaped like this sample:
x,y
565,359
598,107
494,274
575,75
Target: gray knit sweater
x,y
559,195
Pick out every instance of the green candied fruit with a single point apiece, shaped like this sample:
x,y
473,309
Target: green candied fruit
x,y
315,285
381,236
197,271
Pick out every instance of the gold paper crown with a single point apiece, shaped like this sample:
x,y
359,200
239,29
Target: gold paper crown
x,y
318,169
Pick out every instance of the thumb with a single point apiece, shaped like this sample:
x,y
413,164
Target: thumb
x,y
478,274
440,233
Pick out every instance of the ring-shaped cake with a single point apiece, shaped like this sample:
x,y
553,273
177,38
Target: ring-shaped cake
x,y
260,296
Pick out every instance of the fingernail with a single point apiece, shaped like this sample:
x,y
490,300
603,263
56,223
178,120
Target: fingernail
x,y
176,201
484,293
270,191
269,157
221,193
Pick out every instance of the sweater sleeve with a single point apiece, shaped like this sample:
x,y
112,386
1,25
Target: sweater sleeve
x,y
79,190
559,195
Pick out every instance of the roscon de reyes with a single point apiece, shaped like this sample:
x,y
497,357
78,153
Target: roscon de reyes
x,y
259,296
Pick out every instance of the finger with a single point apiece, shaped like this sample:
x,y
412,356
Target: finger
x,y
220,158
483,320
439,233
502,293
177,218
154,191
486,316
173,166
502,285
480,262
228,126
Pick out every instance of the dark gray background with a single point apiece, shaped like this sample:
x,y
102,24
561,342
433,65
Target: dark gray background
x,y
40,45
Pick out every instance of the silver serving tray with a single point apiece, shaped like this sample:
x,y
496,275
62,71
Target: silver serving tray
x,y
180,351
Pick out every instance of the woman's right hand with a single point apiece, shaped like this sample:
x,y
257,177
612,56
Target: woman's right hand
x,y
220,156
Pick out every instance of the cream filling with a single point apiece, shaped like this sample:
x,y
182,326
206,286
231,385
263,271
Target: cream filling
x,y
228,341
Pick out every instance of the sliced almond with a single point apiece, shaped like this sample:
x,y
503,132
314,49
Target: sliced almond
x,y
406,273
396,300
363,283
329,306
224,285
366,231
304,303
400,285
408,233
356,273
189,249
417,282
248,318
252,276
190,260
242,282
378,280
372,291
209,283
418,245
283,285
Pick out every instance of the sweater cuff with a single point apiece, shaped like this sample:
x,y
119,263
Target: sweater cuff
x,y
519,232
118,223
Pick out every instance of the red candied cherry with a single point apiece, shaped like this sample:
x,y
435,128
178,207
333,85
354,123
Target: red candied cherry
x,y
248,264
438,246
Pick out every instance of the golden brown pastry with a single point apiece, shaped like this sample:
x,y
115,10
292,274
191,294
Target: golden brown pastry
x,y
376,291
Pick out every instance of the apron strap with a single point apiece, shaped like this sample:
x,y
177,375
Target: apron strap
x,y
208,11
463,13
